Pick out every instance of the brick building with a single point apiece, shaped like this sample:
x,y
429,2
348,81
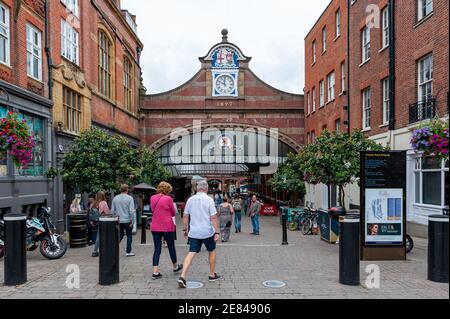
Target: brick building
x,y
83,72
226,95
398,58
24,89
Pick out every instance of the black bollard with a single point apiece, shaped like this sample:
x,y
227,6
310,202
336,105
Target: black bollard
x,y
144,230
438,248
15,249
349,266
109,251
284,222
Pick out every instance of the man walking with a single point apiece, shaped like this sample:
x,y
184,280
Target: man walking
x,y
203,229
123,206
253,212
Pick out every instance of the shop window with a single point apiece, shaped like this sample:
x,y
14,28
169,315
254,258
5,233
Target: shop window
x,y
431,181
36,166
3,158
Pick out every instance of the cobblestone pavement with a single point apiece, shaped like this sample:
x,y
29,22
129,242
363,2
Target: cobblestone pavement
x,y
308,266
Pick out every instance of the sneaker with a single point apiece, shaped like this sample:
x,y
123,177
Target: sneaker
x,y
182,282
179,267
214,278
156,276
131,254
95,254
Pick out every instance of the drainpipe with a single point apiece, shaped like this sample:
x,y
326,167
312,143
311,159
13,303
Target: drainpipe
x,y
48,50
349,131
391,8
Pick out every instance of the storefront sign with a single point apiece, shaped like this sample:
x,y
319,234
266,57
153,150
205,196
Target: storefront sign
x,y
383,198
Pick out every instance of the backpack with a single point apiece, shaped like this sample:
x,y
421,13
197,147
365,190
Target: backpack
x,y
237,205
94,214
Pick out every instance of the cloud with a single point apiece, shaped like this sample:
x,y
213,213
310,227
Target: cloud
x,y
176,32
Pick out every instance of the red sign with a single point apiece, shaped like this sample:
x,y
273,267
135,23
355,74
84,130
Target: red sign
x,y
269,210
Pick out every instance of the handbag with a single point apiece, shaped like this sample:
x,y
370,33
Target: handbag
x,y
228,225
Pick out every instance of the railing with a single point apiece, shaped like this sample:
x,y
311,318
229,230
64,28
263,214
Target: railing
x,y
422,110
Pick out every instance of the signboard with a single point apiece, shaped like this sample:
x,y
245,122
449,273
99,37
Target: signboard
x,y
383,203
269,210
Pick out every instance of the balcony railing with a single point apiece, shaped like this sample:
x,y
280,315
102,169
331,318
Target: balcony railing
x,y
422,110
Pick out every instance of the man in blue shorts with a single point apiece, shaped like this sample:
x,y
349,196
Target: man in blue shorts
x,y
203,230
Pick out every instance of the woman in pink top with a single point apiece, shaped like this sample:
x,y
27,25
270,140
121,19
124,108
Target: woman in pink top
x,y
163,227
102,206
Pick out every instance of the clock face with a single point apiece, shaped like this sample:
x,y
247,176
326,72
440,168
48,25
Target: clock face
x,y
225,84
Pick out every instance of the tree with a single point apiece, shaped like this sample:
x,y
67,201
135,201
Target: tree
x,y
149,169
289,178
334,159
97,161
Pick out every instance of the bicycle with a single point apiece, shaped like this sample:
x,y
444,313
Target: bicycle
x,y
310,223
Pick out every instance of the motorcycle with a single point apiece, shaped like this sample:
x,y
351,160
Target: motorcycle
x,y
40,234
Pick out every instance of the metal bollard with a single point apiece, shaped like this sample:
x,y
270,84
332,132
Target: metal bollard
x,y
284,227
15,249
438,248
109,251
144,230
349,261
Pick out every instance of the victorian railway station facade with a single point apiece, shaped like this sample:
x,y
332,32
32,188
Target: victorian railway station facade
x,y
224,124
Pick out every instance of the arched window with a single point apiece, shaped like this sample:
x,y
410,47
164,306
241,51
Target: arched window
x,y
128,83
104,64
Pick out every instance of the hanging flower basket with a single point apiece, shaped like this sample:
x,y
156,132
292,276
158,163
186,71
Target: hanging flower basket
x,y
16,140
431,139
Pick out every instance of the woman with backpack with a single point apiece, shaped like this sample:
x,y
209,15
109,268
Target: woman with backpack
x,y
99,208
225,211
237,204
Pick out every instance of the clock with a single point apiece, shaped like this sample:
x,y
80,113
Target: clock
x,y
225,84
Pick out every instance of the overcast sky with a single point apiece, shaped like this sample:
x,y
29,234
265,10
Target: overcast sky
x,y
176,32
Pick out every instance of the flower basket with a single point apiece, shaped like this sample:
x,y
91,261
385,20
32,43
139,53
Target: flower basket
x,y
431,139
16,140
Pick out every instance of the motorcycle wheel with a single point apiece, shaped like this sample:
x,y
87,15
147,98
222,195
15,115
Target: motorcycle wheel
x,y
409,244
293,226
53,253
2,251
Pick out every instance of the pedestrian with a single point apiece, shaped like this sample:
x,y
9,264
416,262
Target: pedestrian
x,y
163,227
226,212
204,229
253,212
237,204
99,208
123,207
92,235
218,199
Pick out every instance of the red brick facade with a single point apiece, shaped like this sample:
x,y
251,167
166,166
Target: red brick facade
x,y
333,59
257,106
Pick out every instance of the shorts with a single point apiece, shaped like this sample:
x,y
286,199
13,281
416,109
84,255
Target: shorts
x,y
196,244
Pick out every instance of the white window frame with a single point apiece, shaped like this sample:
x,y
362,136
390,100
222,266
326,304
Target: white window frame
x,y
70,39
367,106
386,100
324,39
343,79
331,82
337,125
321,93
34,51
417,168
314,49
313,99
423,82
308,96
422,6
385,28
365,44
338,23
73,6
5,33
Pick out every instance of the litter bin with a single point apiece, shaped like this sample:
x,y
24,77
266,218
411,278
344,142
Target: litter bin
x,y
438,248
329,224
77,230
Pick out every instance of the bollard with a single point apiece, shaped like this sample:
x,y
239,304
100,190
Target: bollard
x,y
144,230
349,266
284,222
438,248
109,251
15,249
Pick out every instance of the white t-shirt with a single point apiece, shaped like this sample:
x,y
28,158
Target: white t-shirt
x,y
200,208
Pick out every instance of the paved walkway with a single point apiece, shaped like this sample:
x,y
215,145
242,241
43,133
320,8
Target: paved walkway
x,y
308,266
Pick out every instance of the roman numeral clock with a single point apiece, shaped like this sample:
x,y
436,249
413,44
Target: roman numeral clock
x,y
223,62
